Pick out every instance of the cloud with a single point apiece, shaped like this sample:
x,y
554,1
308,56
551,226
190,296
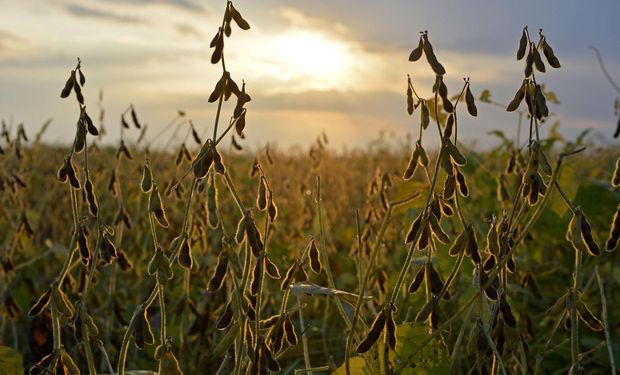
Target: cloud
x,y
85,11
182,4
188,30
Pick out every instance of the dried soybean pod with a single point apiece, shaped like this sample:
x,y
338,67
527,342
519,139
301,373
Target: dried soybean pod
x,y
417,52
615,180
425,236
448,187
373,333
472,246
460,243
522,44
438,232
529,62
460,180
518,98
83,245
315,259
226,318
410,106
236,16
217,280
588,318
586,236
257,273
504,308
490,290
91,198
614,231
261,199
411,166
134,118
550,55
390,328
146,184
241,228
540,66
289,331
413,230
271,269
455,154
212,200
471,104
157,207
417,280
185,255
40,304
424,114
272,209
431,58
66,91
288,278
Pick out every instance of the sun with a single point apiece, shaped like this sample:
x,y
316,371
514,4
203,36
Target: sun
x,y
311,56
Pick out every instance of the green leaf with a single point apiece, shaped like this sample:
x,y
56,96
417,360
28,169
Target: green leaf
x,y
11,362
432,359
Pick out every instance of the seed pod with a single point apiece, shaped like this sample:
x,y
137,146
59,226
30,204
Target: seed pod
x,y
529,62
426,310
516,101
588,318
261,199
272,209
40,304
257,273
424,115
435,281
185,258
216,56
411,166
254,238
92,129
460,181
271,269
541,103
212,203
472,246
80,137
586,236
219,274
142,333
412,235
410,106
288,278
455,154
157,207
504,308
373,333
460,244
83,245
540,66
522,45
289,331
107,249
437,231
147,178
226,318
218,89
615,180
236,16
614,231
490,290
448,187
93,205
417,52
550,55
66,91
471,104
390,328
134,118
241,228
315,258
124,263
417,280
431,58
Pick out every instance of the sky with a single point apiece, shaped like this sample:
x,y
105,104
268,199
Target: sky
x,y
337,66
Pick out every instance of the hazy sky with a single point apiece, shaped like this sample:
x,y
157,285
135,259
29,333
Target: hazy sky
x,y
338,66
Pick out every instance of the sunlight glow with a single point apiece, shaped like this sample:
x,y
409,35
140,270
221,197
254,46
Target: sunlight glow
x,y
311,56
